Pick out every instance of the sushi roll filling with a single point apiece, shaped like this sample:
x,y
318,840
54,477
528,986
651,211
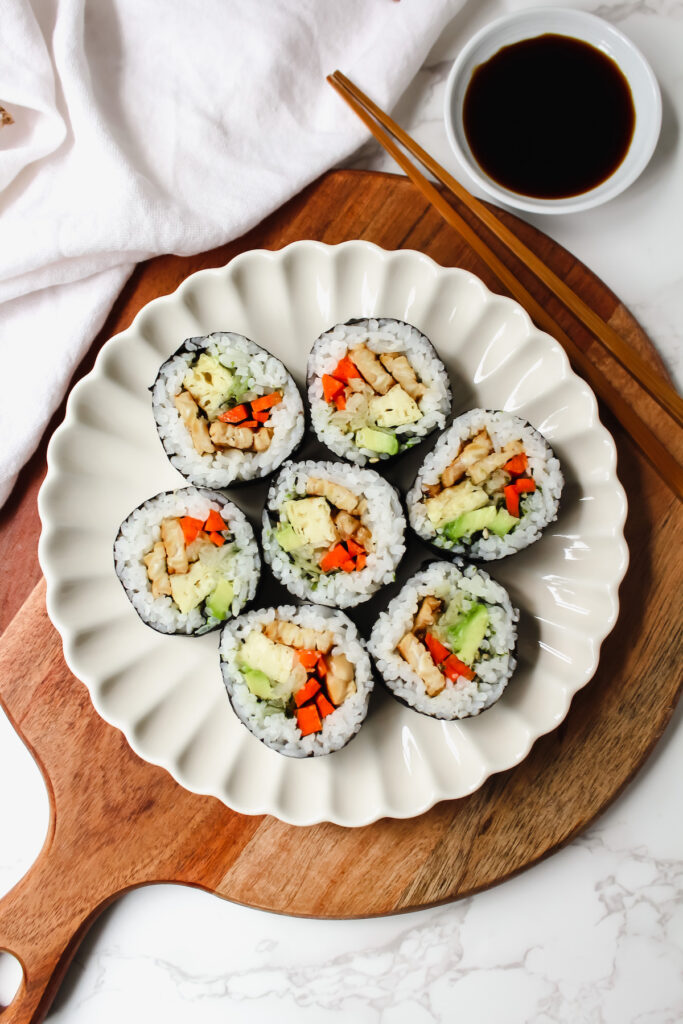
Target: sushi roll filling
x,y
448,637
325,530
221,409
445,644
192,564
332,533
187,560
482,491
376,388
298,676
373,395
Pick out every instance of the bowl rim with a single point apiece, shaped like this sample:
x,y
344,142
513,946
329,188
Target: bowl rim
x,y
587,26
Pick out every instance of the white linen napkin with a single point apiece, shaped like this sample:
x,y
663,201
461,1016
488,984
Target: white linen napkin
x,y
144,128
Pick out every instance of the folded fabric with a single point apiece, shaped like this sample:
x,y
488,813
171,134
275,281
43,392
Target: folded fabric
x,y
148,128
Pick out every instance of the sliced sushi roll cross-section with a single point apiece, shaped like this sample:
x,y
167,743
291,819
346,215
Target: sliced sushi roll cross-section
x,y
226,410
376,387
298,678
187,560
489,487
445,644
332,533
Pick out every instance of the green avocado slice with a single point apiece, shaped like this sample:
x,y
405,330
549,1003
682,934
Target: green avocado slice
x,y
219,600
377,440
503,523
258,682
470,522
467,634
288,538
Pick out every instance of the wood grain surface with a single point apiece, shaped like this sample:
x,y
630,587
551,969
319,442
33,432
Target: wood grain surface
x,y
118,822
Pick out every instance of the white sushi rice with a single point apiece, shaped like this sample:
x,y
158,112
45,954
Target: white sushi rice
x,y
275,729
142,529
379,335
264,374
384,518
538,507
462,698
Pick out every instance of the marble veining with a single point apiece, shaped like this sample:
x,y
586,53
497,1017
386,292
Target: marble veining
x,y
594,935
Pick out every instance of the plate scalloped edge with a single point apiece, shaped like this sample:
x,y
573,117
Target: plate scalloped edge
x,y
401,764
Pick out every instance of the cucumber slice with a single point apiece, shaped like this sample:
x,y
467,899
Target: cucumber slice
x,y
467,634
258,682
219,600
382,441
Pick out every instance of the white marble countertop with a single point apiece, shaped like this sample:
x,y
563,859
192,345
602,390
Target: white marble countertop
x,y
595,933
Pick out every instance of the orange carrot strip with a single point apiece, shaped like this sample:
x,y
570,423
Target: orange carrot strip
x,y
346,369
525,483
235,415
266,402
322,666
360,561
190,528
217,538
512,500
348,566
331,387
308,690
334,558
309,659
329,561
517,464
214,522
437,650
453,668
308,720
354,548
340,401
262,417
249,423
323,705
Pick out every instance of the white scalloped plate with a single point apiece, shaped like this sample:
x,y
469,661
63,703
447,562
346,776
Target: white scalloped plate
x,y
166,693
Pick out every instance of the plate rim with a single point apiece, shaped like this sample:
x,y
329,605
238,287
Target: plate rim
x,y
97,371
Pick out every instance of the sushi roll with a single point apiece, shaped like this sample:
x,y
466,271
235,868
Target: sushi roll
x,y
488,488
226,410
376,388
332,533
187,560
298,678
445,644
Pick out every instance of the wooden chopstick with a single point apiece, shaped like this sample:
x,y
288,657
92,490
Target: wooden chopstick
x,y
652,448
632,362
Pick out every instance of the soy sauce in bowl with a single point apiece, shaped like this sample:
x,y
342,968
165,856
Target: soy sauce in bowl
x,y
549,117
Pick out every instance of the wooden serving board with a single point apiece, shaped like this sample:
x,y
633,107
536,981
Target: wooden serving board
x,y
118,822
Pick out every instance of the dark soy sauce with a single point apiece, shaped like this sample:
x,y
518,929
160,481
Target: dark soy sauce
x,y
549,117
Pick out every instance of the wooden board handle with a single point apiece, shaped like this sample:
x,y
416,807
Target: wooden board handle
x,y
45,916
42,921
115,822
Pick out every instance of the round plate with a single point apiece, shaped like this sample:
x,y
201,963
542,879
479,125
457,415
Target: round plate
x,y
166,694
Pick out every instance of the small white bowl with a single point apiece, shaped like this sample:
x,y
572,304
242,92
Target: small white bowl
x,y
537,21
